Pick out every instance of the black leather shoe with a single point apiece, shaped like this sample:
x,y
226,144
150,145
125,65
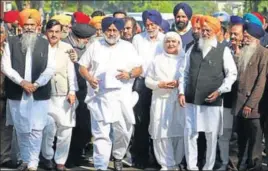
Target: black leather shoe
x,y
47,164
118,165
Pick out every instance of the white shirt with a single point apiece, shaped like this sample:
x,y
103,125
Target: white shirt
x,y
27,113
15,76
147,48
103,61
201,118
229,67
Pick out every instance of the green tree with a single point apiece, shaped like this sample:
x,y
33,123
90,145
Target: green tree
x,y
228,8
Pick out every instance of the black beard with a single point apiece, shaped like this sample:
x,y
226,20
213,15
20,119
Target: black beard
x,y
181,25
196,36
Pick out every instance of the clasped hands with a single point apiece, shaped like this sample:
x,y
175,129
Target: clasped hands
x,y
28,86
168,84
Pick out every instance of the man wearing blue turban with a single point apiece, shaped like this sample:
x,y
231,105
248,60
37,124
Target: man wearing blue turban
x,y
148,44
252,67
110,66
183,13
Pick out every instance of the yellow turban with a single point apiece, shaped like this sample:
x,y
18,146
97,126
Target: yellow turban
x,y
95,20
212,22
29,14
63,19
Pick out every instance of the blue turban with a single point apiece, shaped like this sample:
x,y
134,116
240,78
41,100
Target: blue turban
x,y
236,20
250,18
185,7
153,15
108,21
254,30
224,16
165,25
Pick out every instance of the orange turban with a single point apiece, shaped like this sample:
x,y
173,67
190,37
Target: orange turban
x,y
196,19
212,22
95,20
29,14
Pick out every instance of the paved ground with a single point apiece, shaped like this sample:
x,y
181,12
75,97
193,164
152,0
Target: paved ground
x,y
89,165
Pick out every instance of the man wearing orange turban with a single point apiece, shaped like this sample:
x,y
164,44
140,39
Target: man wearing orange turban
x,y
196,29
212,72
27,86
29,14
96,23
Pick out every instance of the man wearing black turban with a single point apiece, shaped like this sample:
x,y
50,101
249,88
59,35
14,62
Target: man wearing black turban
x,y
81,134
183,13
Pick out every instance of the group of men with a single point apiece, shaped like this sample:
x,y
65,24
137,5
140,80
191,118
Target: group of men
x,y
170,94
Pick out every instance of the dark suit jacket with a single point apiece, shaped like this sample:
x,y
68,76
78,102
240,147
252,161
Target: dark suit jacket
x,y
251,83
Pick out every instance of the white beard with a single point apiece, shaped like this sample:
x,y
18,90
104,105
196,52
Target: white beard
x,y
205,44
112,40
245,55
28,40
153,33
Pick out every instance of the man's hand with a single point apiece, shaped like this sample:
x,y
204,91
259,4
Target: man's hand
x,y
72,55
27,86
71,98
166,85
212,97
174,83
94,82
123,75
246,111
182,101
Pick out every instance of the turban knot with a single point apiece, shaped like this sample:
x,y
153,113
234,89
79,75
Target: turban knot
x,y
196,19
11,16
80,18
63,19
108,21
153,15
165,25
29,14
254,30
185,7
250,18
212,22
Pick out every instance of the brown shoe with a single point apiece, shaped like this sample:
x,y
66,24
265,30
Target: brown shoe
x,y
60,167
32,169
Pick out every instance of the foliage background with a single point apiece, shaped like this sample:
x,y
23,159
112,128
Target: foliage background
x,y
109,6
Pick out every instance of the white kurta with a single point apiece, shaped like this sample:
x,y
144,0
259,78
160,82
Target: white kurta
x,y
113,98
59,108
147,48
27,113
166,116
200,118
